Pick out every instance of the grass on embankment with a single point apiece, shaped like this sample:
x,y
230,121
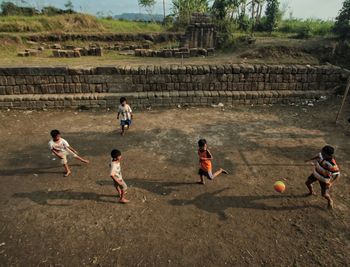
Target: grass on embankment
x,y
73,23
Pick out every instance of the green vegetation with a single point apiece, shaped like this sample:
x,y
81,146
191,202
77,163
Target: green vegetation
x,y
306,28
130,26
342,25
72,23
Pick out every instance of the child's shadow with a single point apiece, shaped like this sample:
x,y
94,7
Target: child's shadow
x,y
42,197
156,187
212,203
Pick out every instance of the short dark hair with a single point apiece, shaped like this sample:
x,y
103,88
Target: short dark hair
x,y
115,153
202,142
328,150
54,133
122,99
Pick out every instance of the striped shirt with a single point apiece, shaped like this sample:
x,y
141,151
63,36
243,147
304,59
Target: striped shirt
x,y
325,169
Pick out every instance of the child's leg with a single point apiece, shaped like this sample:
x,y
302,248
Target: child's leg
x,y
220,171
119,191
123,189
64,162
326,195
201,174
81,159
123,130
310,180
67,170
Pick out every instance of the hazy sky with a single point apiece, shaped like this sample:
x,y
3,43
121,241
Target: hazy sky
x,y
300,8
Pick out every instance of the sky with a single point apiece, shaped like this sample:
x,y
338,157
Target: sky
x,y
323,9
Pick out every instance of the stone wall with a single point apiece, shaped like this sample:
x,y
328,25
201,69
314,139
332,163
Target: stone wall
x,y
101,87
104,37
200,33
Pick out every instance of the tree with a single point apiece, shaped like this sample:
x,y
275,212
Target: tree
x,y
342,23
183,9
69,5
148,5
271,13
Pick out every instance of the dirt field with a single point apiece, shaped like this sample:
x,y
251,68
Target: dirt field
x,y
236,220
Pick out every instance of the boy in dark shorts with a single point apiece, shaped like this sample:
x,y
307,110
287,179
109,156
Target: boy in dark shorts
x,y
205,158
326,172
125,115
116,175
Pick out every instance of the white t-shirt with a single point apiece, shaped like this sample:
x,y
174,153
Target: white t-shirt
x,y
125,112
60,146
116,170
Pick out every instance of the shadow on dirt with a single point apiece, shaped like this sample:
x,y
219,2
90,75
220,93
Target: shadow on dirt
x,y
211,202
38,170
42,197
155,187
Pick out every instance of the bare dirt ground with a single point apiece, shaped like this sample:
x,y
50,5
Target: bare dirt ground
x,y
236,220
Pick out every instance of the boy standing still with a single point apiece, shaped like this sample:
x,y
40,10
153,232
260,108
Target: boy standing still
x,y
205,158
116,175
62,150
125,115
326,172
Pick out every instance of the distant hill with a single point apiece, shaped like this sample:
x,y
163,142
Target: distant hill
x,y
140,17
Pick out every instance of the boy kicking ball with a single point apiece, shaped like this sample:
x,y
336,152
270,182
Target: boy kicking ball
x,y
205,158
116,175
326,172
125,115
61,149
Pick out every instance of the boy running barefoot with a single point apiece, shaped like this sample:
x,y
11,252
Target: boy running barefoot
x,y
125,115
205,159
326,172
61,149
116,175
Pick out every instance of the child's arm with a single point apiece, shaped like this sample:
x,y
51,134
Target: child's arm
x,y
72,149
209,156
118,115
333,179
56,153
312,159
131,114
115,178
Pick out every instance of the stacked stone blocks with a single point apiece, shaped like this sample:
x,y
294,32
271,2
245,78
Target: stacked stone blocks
x,y
164,85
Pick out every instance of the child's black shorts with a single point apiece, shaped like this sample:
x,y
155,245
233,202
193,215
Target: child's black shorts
x,y
324,186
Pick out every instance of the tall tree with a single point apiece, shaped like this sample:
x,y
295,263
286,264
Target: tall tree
x,y
271,13
183,9
342,23
69,5
148,5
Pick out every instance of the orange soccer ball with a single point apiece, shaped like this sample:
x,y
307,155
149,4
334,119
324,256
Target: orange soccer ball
x,y
279,186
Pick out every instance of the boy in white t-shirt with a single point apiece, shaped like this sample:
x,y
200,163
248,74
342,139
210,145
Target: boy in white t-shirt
x,y
116,175
125,115
62,150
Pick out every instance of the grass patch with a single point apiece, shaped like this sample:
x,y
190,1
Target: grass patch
x,y
130,26
306,27
73,23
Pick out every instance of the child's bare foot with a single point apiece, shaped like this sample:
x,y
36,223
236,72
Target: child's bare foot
x,y
330,205
124,201
67,174
224,171
122,133
310,194
201,182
